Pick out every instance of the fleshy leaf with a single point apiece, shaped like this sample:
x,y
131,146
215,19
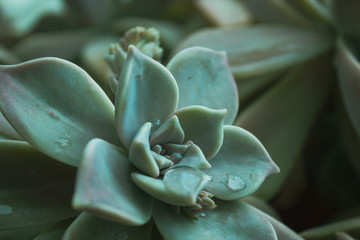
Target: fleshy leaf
x,y
261,49
140,154
176,148
204,78
6,130
169,132
35,190
350,226
349,79
90,227
104,186
203,126
282,231
230,220
54,232
194,157
146,92
180,186
240,167
44,99
161,161
289,107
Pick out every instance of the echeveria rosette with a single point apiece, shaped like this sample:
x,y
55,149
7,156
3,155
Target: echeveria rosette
x,y
119,183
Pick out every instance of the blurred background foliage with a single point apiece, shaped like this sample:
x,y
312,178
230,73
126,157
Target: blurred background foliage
x,y
296,64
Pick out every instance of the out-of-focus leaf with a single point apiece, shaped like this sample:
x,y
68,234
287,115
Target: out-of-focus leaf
x,y
20,17
327,232
7,57
277,11
349,80
90,227
55,231
282,118
92,12
35,190
230,220
7,131
261,49
56,106
225,13
346,16
64,45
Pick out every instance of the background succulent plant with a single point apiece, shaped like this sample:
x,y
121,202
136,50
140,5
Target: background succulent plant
x,y
276,51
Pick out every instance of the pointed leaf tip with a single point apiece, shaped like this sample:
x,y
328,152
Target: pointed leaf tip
x,y
146,92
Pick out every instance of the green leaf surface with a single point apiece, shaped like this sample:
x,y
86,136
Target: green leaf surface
x,y
180,186
194,157
7,57
90,227
146,92
7,131
230,220
56,106
104,187
23,233
203,126
240,166
327,232
35,190
345,16
282,231
204,78
348,67
140,154
54,232
261,49
282,117
169,132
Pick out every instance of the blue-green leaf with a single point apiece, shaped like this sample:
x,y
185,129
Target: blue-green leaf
x,y
180,186
203,126
241,165
90,227
104,187
56,106
204,78
146,92
230,220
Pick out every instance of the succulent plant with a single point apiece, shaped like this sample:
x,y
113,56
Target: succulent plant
x,y
162,151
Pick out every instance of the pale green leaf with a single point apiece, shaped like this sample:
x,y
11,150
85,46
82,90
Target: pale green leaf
x,y
230,220
104,187
146,92
7,131
203,126
55,231
169,132
180,186
240,166
204,78
261,49
140,154
89,227
56,106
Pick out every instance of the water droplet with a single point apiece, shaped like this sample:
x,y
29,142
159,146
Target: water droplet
x,y
211,178
176,157
202,214
155,123
235,183
4,209
63,142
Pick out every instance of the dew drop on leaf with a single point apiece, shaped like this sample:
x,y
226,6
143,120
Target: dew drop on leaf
x,y
235,183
